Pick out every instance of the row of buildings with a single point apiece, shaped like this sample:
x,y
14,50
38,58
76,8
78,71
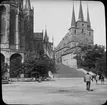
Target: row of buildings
x,y
17,34
80,32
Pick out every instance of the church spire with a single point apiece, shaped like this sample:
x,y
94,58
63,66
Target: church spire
x,y
81,17
27,5
46,36
88,18
53,42
73,17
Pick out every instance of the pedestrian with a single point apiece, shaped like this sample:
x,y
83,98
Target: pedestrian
x,y
88,79
102,79
97,78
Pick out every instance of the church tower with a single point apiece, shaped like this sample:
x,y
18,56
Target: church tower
x,y
11,13
28,25
16,30
80,32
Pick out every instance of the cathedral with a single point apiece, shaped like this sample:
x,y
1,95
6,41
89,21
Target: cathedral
x,y
16,32
80,32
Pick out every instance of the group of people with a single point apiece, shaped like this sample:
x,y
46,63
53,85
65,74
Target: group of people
x,y
88,78
42,77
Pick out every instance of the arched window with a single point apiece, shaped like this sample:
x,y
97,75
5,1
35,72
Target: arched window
x,y
2,23
75,31
82,31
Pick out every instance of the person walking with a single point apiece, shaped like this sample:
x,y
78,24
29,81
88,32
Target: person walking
x,y
97,78
102,80
88,79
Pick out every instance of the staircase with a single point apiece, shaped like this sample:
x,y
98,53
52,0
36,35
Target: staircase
x,y
67,72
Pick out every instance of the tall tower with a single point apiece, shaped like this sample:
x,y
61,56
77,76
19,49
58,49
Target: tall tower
x,y
10,14
28,25
80,32
83,28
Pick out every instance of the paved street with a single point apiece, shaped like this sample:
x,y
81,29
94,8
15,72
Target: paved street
x,y
71,91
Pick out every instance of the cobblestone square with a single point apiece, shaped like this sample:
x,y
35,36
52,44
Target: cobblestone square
x,y
61,91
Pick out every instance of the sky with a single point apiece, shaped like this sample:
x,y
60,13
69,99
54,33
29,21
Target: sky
x,y
56,17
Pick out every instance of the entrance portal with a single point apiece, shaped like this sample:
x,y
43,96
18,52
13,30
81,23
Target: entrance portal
x,y
2,64
15,65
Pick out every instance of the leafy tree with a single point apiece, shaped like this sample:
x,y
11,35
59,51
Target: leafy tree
x,y
34,62
91,56
101,65
37,63
15,67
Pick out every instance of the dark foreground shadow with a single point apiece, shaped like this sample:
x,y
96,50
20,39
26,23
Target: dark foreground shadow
x,y
105,103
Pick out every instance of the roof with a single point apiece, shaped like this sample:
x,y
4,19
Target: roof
x,y
38,36
71,50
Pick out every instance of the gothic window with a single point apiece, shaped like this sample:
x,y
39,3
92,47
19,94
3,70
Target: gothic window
x,y
82,25
82,31
75,31
12,26
2,23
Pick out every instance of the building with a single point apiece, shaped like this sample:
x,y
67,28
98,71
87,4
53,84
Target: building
x,y
80,32
16,32
41,43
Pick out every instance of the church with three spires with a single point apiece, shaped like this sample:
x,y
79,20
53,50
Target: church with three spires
x,y
17,34
80,32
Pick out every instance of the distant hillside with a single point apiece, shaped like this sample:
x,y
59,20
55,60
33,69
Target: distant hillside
x,y
67,72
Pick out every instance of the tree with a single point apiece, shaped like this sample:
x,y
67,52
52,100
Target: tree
x,y
91,56
101,65
30,62
37,63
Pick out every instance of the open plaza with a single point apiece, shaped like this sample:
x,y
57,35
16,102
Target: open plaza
x,y
40,39
60,91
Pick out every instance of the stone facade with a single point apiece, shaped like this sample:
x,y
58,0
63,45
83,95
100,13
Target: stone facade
x,y
16,31
80,32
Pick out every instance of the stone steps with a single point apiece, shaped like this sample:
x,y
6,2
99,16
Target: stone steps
x,y
67,72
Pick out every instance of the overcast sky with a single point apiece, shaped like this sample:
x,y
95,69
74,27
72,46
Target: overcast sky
x,y
56,16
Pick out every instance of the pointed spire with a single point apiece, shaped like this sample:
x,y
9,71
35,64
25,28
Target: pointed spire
x,y
88,18
20,4
81,17
45,30
27,5
53,42
73,17
46,36
52,39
